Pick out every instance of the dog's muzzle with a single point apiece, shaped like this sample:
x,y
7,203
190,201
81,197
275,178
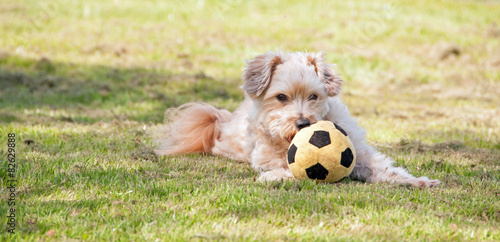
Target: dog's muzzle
x,y
302,123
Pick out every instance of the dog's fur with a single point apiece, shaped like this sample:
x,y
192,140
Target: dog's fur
x,y
284,93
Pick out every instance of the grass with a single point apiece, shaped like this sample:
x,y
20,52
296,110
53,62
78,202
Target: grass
x,y
84,84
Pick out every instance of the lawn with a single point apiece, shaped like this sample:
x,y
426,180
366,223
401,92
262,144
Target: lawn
x,y
84,86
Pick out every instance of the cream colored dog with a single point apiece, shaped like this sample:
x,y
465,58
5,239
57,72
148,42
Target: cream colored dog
x,y
286,92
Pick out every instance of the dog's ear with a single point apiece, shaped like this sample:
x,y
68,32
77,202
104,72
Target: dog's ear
x,y
332,82
259,71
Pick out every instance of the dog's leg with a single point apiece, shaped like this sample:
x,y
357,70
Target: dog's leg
x,y
233,139
371,165
270,161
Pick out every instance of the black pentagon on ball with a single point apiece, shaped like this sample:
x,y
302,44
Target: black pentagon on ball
x,y
291,154
346,158
340,129
320,139
317,172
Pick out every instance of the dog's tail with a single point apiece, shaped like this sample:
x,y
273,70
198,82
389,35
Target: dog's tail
x,y
191,128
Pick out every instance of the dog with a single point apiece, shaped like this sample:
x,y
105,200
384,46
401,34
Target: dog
x,y
284,93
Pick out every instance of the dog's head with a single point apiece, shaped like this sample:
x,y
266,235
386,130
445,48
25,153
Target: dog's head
x,y
289,91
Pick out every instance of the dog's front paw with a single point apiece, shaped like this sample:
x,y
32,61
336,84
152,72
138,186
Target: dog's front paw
x,y
275,175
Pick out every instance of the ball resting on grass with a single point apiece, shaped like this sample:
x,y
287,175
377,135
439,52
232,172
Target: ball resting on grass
x,y
321,152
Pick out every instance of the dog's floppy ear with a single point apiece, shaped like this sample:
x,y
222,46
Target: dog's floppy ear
x,y
332,82
259,71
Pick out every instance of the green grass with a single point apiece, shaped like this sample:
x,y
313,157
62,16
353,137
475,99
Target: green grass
x,y
83,84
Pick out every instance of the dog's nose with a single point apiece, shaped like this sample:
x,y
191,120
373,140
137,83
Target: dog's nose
x,y
302,123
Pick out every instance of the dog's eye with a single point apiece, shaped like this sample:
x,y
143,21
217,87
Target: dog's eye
x,y
282,97
313,97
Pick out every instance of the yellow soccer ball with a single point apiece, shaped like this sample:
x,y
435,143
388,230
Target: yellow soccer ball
x,y
321,152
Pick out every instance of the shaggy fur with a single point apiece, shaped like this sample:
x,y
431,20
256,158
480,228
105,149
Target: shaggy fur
x,y
284,93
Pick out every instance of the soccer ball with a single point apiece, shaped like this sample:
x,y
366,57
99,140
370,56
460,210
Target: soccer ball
x,y
321,152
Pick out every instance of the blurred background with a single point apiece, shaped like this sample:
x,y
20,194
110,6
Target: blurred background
x,y
419,61
83,83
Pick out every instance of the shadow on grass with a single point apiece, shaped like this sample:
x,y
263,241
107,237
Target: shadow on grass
x,y
93,93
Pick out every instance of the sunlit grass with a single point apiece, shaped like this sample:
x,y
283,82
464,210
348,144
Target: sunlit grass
x,y
84,84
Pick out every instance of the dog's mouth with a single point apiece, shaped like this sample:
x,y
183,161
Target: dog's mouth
x,y
290,138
